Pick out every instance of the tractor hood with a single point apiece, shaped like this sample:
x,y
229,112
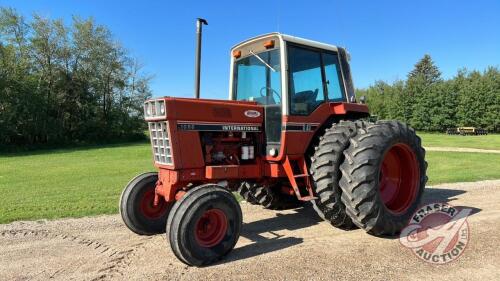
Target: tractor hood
x,y
203,111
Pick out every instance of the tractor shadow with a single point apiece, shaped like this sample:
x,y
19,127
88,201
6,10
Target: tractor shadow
x,y
265,239
441,195
263,234
433,195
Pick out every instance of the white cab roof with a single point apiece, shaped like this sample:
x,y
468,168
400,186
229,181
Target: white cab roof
x,y
289,38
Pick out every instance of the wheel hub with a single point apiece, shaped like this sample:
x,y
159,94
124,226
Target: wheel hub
x,y
148,208
211,228
399,178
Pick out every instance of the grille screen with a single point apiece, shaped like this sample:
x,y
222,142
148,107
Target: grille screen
x,y
161,142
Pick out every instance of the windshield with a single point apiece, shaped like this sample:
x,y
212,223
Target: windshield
x,y
258,78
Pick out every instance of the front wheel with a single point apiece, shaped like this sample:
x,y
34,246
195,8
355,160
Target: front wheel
x,y
383,177
137,207
204,225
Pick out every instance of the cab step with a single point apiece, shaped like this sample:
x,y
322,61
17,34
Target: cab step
x,y
296,171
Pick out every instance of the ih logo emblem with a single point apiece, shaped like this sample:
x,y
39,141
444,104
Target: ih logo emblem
x,y
252,113
438,233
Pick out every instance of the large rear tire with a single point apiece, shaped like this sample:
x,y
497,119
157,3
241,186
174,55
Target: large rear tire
x,y
137,209
325,172
383,177
204,225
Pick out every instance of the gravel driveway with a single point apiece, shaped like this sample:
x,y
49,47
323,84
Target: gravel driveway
x,y
281,245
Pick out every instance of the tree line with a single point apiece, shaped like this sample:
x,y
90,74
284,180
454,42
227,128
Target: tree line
x,y
66,83
429,103
75,83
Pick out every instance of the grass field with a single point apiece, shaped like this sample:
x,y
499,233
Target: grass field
x,y
68,183
88,181
491,141
447,167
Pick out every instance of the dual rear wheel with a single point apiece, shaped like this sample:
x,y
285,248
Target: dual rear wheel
x,y
369,175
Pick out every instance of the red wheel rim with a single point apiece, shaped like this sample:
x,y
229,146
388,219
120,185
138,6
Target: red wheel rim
x,y
399,178
148,209
211,228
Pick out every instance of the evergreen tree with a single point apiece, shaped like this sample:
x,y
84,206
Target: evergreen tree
x,y
421,80
428,103
426,71
492,99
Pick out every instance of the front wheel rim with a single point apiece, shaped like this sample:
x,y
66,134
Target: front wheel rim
x,y
211,228
147,207
399,178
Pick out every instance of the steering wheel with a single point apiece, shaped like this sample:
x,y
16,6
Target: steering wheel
x,y
273,91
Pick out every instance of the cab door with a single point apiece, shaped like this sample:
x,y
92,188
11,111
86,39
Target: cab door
x,y
272,107
314,76
306,83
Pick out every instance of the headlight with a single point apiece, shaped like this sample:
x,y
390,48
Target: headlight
x,y
147,109
161,105
154,108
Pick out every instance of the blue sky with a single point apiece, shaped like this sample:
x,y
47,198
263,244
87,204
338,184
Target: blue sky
x,y
385,38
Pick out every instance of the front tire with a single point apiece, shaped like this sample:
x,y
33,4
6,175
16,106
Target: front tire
x,y
204,225
137,209
383,177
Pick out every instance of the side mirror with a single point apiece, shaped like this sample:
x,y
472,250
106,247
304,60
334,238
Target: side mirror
x,y
362,99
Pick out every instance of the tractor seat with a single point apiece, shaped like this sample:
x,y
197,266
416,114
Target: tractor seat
x,y
308,97
305,101
265,100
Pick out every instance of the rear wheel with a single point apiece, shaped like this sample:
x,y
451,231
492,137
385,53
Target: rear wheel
x,y
204,225
137,207
269,197
383,177
245,191
325,172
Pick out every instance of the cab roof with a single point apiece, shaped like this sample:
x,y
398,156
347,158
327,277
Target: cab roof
x,y
288,38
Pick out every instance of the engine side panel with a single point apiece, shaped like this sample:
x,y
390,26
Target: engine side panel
x,y
212,132
205,110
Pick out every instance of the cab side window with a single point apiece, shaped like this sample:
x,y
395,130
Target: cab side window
x,y
333,77
305,80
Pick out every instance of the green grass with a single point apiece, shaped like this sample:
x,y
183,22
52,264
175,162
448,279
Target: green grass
x,y
491,141
447,167
88,181
68,182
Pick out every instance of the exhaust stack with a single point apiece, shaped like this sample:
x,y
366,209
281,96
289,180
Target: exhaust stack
x,y
199,29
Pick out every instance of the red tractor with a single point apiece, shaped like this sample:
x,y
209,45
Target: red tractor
x,y
291,131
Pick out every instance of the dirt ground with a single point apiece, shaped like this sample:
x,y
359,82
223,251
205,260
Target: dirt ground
x,y
285,245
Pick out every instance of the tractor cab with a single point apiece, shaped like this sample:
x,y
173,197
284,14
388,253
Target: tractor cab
x,y
291,78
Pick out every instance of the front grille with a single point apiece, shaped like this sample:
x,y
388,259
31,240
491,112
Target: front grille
x,y
161,142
